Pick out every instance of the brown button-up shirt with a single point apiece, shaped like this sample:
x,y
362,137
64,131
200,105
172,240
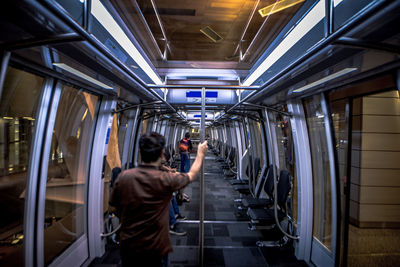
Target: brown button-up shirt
x,y
142,197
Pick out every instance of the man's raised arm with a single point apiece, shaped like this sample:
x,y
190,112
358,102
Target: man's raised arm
x,y
195,169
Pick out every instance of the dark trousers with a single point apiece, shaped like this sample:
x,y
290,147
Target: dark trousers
x,y
173,210
185,162
150,258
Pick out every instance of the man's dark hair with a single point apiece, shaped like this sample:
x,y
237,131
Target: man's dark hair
x,y
187,135
151,145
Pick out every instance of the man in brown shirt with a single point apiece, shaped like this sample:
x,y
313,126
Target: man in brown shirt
x,y
142,197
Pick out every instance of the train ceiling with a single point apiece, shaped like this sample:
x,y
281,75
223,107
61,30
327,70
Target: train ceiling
x,y
203,34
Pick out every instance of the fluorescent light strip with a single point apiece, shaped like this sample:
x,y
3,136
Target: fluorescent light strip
x,y
278,6
316,14
81,75
327,78
107,21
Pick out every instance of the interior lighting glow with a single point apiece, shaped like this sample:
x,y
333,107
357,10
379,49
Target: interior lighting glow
x,y
81,75
108,22
84,115
28,118
8,118
278,6
316,14
325,79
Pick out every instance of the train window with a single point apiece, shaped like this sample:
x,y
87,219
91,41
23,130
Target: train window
x,y
18,108
67,171
123,120
114,150
283,131
322,192
243,134
145,123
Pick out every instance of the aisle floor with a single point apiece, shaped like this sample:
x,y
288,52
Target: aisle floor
x,y
227,239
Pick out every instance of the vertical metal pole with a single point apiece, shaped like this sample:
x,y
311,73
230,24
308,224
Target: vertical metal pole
x,y
132,140
202,183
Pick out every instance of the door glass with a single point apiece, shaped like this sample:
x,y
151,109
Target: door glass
x,y
322,192
340,119
114,151
18,108
67,173
287,161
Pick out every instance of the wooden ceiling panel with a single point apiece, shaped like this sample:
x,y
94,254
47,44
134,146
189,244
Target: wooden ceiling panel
x,y
183,19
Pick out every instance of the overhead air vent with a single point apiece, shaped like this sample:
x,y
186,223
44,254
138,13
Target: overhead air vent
x,y
210,33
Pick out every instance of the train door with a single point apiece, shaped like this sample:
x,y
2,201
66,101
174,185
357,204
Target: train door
x,y
323,250
286,159
367,133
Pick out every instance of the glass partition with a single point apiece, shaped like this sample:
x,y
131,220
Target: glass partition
x,y
18,109
322,191
340,118
283,132
67,171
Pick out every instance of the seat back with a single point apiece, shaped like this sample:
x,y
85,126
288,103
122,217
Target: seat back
x,y
232,157
261,182
227,147
284,187
257,168
249,168
269,182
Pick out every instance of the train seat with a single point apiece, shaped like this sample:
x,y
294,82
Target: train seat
x,y
264,218
255,202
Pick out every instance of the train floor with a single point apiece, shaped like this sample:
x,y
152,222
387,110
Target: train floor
x,y
227,239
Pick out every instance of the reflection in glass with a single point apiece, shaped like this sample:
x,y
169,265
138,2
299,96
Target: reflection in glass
x,y
18,107
322,194
69,155
114,150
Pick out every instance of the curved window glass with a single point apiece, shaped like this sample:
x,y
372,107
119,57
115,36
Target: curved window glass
x,y
67,172
322,191
18,109
283,131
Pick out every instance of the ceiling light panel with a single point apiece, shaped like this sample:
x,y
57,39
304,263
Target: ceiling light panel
x,y
108,22
325,79
210,33
81,75
278,6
